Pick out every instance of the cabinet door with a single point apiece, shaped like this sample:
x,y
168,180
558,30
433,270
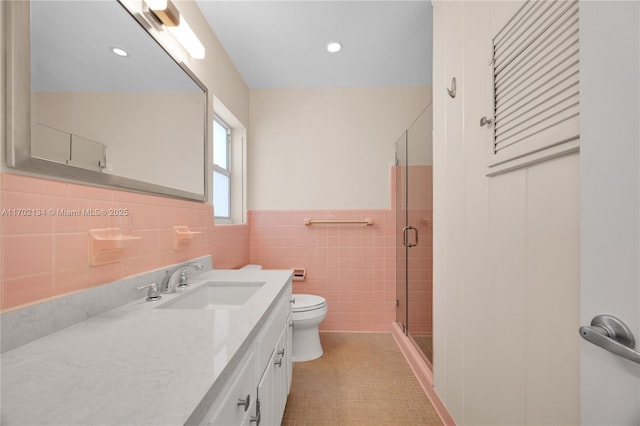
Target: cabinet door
x,y
239,400
265,395
281,380
289,352
272,389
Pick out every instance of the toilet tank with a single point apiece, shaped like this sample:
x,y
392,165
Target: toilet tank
x,y
252,267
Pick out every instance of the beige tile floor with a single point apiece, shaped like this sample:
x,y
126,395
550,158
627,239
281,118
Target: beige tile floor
x,y
362,379
425,344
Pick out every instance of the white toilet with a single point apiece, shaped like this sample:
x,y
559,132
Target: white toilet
x,y
308,313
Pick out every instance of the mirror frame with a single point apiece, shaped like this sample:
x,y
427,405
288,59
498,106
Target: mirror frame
x,y
18,111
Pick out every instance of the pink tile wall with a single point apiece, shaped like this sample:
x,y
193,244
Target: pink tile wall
x,y
352,266
47,255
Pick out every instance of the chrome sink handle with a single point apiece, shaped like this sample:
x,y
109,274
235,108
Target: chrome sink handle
x,y
153,293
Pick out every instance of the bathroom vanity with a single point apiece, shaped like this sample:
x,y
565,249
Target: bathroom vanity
x,y
215,353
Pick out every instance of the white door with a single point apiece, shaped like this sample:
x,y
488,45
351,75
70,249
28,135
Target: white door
x,y
610,202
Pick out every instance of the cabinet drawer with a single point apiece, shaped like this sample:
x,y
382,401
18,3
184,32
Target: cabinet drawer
x,y
228,410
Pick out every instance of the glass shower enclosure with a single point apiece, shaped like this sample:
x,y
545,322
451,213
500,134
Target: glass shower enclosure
x,y
413,204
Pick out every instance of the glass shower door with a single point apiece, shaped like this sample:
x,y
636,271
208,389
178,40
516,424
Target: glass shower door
x,y
414,254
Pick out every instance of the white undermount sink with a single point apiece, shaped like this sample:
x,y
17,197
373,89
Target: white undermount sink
x,y
215,295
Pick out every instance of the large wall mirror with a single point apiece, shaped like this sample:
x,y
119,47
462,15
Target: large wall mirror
x,y
79,110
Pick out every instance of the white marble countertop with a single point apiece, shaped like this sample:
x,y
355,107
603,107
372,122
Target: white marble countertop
x,y
135,365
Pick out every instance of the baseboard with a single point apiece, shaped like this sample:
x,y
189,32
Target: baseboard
x,y
422,373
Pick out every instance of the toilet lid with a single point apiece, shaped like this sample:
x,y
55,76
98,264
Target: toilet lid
x,y
307,302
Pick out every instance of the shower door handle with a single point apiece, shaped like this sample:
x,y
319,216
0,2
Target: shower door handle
x,y
405,233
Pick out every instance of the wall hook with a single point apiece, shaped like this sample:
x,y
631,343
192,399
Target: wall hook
x,y
452,91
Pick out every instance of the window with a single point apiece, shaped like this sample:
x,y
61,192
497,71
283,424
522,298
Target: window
x,y
221,170
536,85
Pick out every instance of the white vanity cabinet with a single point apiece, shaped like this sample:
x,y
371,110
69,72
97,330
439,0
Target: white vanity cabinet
x,y
256,393
275,363
238,401
214,359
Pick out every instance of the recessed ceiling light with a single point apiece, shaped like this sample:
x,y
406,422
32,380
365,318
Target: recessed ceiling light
x,y
334,47
120,52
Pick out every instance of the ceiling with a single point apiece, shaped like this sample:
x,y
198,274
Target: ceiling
x,y
70,51
282,44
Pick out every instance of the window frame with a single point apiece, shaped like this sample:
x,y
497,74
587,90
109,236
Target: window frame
x,y
218,169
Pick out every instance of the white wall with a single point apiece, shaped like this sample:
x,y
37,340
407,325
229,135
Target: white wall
x,y
419,135
327,148
146,145
216,70
506,249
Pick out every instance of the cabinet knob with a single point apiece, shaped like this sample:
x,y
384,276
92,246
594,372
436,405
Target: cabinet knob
x,y
484,121
246,402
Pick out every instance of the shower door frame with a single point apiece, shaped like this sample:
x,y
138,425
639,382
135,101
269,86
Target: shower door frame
x,y
402,218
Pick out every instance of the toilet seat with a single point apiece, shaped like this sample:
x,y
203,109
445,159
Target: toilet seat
x,y
307,302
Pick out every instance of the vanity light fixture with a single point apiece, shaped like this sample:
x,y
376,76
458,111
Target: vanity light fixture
x,y
168,15
119,51
188,39
334,47
165,11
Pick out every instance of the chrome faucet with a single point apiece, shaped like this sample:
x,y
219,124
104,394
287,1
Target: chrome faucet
x,y
168,284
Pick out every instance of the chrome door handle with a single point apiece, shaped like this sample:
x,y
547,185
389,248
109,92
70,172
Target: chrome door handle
x,y
611,334
405,233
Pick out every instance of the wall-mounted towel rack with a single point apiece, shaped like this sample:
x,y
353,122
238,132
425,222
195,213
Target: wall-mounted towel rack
x,y
366,222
